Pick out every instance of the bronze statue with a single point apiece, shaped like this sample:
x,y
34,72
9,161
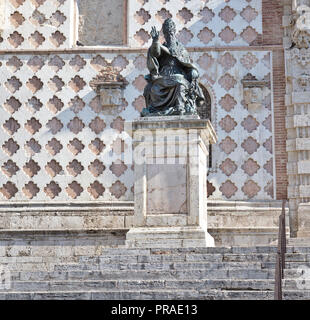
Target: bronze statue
x,y
172,87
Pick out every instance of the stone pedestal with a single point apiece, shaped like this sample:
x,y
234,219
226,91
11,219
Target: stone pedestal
x,y
170,194
303,220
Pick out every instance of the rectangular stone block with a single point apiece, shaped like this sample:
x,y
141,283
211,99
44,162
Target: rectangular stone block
x,y
288,99
163,188
304,167
153,244
286,21
289,122
166,220
291,145
300,97
18,251
42,251
304,219
166,189
304,191
292,167
303,144
129,222
301,121
64,251
85,250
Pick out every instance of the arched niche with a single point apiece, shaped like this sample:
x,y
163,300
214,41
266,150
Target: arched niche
x,y
204,110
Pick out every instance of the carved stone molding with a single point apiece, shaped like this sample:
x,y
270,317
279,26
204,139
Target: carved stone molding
x,y
301,56
109,77
300,23
109,86
250,81
253,91
296,23
304,82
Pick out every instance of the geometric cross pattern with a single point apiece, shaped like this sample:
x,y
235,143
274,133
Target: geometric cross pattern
x,y
56,135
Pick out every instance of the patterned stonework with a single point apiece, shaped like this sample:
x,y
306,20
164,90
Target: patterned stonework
x,y
32,24
199,23
66,123
53,24
244,151
57,141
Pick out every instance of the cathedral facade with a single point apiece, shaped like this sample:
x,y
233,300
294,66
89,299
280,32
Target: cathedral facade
x,y
64,143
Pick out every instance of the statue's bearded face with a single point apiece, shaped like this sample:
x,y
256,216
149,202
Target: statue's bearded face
x,y
169,28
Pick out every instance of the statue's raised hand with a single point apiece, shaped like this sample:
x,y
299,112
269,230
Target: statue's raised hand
x,y
154,34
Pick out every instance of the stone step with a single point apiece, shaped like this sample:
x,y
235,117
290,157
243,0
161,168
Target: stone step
x,y
109,295
88,248
91,271
55,250
141,266
298,249
14,262
258,257
201,250
46,260
140,295
88,285
299,242
288,265
173,262
296,295
155,295
25,267
102,285
45,272
66,252
185,265
204,250
162,274
174,266
136,275
253,295
189,258
201,258
194,265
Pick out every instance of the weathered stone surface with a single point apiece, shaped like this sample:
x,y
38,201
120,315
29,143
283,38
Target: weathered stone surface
x,y
101,23
166,182
171,181
173,273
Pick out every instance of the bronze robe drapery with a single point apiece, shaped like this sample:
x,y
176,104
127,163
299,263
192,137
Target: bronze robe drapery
x,y
170,88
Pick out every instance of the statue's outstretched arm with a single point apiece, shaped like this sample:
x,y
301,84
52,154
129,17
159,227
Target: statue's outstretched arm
x,y
155,48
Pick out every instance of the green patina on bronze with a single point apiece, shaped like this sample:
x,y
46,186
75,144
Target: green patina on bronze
x,y
172,87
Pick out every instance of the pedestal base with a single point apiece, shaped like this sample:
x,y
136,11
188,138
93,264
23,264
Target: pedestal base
x,y
303,220
168,237
170,190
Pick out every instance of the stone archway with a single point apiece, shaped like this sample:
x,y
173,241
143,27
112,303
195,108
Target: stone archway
x,y
204,110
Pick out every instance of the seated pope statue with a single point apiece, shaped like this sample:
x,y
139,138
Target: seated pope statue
x,y
172,84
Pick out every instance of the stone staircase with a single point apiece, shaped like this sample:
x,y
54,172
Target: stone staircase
x,y
93,271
